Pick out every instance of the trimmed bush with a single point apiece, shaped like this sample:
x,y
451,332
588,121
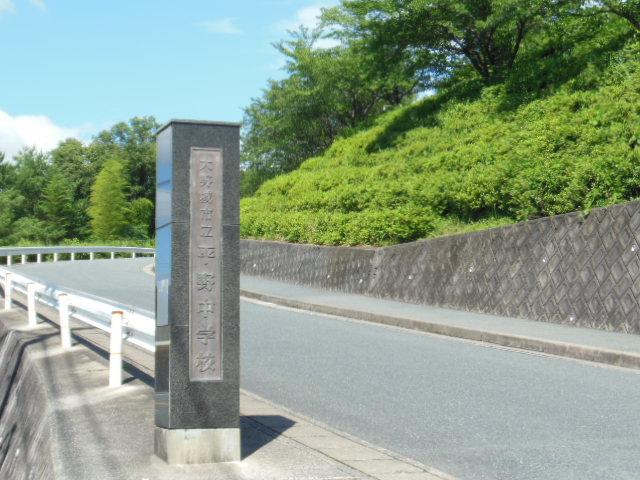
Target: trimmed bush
x,y
447,165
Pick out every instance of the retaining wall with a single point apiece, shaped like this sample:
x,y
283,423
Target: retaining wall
x,y
567,269
24,412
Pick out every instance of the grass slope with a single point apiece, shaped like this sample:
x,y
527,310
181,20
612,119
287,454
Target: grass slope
x,y
465,161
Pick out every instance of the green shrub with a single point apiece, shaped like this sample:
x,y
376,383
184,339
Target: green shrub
x,y
446,165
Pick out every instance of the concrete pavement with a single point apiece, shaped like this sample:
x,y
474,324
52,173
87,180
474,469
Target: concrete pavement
x,y
73,426
612,348
581,343
474,410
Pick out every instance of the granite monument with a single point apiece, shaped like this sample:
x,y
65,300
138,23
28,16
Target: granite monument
x,y
197,292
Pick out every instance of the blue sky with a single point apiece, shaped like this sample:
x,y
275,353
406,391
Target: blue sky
x,y
74,67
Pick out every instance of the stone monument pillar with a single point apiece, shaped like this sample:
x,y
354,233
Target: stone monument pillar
x,y
197,292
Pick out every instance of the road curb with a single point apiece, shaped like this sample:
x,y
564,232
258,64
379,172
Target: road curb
x,y
562,349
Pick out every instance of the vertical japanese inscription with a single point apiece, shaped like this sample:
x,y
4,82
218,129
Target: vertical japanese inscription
x,y
205,328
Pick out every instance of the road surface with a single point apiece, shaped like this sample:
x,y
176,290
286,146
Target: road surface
x,y
474,411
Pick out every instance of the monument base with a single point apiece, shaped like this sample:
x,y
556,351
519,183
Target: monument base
x,y
195,446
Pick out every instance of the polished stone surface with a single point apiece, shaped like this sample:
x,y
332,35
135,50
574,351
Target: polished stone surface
x,y
226,136
188,397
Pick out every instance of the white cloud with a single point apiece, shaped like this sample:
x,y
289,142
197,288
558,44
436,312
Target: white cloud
x,y
224,26
7,6
309,17
326,43
39,4
37,131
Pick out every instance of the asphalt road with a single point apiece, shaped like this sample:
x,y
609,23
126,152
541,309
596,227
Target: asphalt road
x,y
473,411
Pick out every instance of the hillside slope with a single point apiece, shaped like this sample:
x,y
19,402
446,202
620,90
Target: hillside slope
x,y
462,161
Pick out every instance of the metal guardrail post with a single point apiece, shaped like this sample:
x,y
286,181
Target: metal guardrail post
x,y
31,305
38,258
63,316
92,256
73,256
7,291
8,260
115,349
55,257
113,255
133,254
23,259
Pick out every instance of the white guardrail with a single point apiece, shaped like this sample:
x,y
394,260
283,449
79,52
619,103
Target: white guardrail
x,y
121,322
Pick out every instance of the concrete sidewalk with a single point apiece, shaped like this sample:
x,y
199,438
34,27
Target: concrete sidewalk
x,y
611,348
93,431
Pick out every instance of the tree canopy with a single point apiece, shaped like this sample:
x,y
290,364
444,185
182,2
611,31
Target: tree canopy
x,y
441,36
404,69
327,92
627,9
529,109
45,196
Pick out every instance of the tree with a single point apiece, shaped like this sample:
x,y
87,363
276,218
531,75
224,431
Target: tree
x,y
441,35
32,171
58,208
46,196
327,92
627,9
7,174
22,186
141,213
134,143
108,209
71,160
31,230
11,202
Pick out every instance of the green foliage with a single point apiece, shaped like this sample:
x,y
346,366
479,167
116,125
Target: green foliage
x,y
141,213
134,143
32,171
10,203
109,206
629,10
70,160
128,242
7,174
57,207
532,111
440,36
28,229
44,198
447,164
327,92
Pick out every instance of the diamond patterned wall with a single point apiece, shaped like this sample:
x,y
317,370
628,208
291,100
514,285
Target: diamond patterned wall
x,y
566,269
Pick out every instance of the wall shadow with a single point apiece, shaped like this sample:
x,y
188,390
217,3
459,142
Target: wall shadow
x,y
259,430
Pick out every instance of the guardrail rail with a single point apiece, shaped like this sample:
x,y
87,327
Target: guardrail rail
x,y
123,323
40,254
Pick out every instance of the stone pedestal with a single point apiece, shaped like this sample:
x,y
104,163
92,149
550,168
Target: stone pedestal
x,y
197,292
189,446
